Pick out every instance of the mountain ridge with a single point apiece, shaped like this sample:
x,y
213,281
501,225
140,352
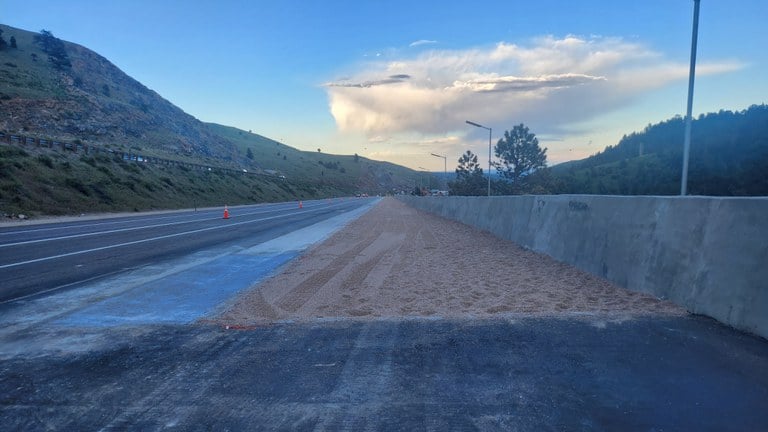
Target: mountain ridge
x,y
728,157
93,100
62,91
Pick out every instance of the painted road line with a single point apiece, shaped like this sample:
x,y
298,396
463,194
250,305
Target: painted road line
x,y
228,225
143,227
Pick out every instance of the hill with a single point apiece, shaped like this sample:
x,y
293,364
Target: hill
x,y
349,173
61,91
65,91
729,157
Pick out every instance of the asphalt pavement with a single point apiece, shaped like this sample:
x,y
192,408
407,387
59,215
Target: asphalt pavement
x,y
46,257
529,374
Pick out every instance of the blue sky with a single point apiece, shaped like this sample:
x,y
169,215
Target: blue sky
x,y
396,80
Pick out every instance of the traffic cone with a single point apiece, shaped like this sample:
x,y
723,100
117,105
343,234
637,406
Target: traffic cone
x,y
300,205
226,212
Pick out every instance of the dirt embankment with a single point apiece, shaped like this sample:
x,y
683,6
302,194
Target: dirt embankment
x,y
396,261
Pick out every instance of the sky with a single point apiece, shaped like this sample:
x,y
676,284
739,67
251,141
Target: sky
x,y
397,80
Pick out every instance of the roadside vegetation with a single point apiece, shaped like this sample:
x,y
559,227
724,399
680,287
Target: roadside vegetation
x,y
729,157
34,182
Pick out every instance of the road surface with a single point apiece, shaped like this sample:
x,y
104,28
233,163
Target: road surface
x,y
47,257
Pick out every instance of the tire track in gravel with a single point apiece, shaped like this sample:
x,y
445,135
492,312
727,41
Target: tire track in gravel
x,y
298,296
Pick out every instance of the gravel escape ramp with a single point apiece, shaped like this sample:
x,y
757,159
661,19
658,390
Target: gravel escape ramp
x,y
398,262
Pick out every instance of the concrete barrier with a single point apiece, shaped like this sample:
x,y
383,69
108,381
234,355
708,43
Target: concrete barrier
x,y
707,254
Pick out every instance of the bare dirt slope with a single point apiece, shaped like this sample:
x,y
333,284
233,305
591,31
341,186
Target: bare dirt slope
x,y
396,261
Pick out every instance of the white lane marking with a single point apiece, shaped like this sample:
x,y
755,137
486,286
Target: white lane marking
x,y
45,227
43,240
145,240
329,225
88,225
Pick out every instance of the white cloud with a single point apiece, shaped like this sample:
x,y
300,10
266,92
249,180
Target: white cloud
x,y
422,42
549,83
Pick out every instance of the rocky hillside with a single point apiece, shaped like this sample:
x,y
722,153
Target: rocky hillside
x,y
65,91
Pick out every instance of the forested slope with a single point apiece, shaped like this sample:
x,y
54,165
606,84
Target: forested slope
x,y
729,157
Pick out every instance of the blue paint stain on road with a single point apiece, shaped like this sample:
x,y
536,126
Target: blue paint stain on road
x,y
183,297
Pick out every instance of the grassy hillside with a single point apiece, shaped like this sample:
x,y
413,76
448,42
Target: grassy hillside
x,y
89,99
347,173
58,90
52,183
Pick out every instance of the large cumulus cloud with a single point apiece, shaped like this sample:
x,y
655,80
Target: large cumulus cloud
x,y
550,82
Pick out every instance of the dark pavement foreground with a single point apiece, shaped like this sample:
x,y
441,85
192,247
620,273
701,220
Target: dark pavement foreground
x,y
534,374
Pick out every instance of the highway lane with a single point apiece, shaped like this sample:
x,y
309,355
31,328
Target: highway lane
x,y
47,257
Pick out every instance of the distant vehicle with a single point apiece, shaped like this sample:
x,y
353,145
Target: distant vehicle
x,y
245,170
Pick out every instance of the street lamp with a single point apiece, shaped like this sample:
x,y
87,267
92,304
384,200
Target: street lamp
x,y
445,167
429,180
490,131
691,75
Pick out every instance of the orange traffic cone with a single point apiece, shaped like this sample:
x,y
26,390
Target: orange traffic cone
x,y
226,212
300,205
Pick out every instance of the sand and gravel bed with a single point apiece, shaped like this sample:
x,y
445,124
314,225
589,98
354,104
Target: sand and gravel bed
x,y
397,262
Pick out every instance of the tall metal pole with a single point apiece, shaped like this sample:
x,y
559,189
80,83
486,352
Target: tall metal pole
x,y
490,132
429,178
689,111
445,168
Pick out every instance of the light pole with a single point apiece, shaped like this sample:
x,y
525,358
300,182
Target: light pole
x,y
445,168
429,180
490,132
691,76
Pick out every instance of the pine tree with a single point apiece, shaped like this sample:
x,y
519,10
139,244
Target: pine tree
x,y
519,153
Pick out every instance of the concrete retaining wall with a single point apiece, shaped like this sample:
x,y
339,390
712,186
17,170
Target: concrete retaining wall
x,y
709,255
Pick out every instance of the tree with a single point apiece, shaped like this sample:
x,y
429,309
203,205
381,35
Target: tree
x,y
469,177
13,42
54,47
468,166
519,154
249,154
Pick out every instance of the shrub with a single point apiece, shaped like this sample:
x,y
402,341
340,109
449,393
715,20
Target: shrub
x,y
77,185
45,160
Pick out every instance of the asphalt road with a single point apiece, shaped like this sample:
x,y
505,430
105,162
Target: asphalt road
x,y
532,374
45,258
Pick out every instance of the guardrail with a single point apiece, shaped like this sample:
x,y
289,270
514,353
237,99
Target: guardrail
x,y
76,147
